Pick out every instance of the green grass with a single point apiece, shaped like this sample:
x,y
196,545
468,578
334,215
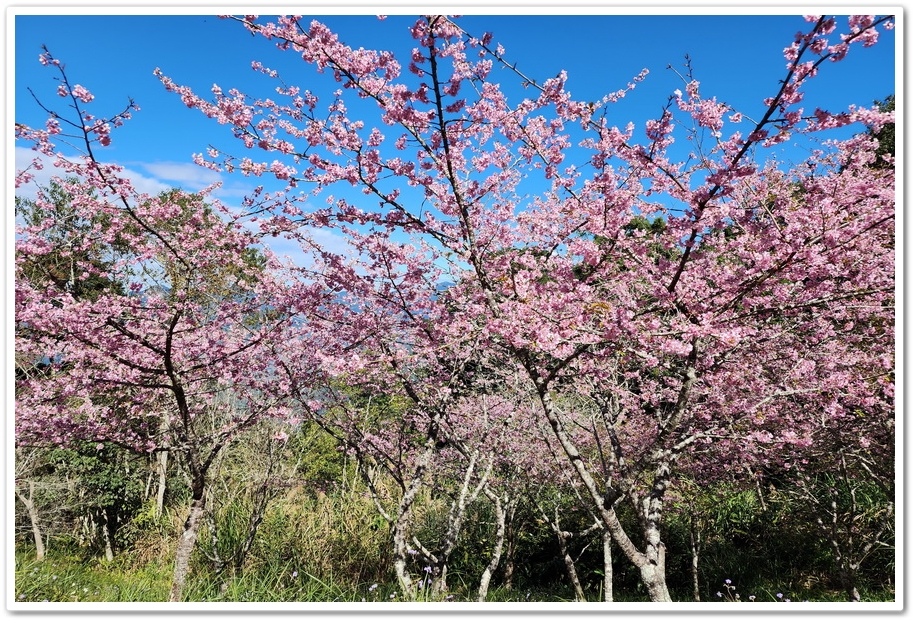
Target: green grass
x,y
331,549
64,577
68,578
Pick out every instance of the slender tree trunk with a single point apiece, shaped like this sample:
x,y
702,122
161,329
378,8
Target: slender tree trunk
x,y
758,488
570,565
606,541
457,514
149,480
186,544
849,576
106,537
400,522
29,503
401,529
400,559
487,574
568,561
162,464
162,460
440,578
695,559
511,543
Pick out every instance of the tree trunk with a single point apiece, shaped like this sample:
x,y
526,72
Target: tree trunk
x,y
650,562
401,529
695,559
487,574
456,516
853,593
29,503
439,579
106,537
400,560
161,466
568,561
849,575
653,571
608,566
570,565
186,544
511,543
653,576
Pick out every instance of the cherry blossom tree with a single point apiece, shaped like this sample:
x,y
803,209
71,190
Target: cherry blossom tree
x,y
716,337
666,315
172,351
411,401
844,482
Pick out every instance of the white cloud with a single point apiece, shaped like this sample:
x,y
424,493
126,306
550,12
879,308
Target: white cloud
x,y
146,185
186,174
164,175
290,251
192,177
25,156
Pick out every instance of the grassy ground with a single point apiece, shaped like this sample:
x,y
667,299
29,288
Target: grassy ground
x,y
332,548
65,577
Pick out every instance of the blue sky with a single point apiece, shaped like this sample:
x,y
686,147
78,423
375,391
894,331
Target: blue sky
x,y
737,58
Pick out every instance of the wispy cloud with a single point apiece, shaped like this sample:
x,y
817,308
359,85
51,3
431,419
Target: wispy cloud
x,y
185,174
291,251
24,157
192,177
155,177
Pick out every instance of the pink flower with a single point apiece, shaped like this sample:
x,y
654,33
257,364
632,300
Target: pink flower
x,y
81,93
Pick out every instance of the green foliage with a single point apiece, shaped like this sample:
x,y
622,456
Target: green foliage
x,y
768,546
886,135
857,512
652,228
638,226
76,263
145,521
318,459
104,484
322,539
331,534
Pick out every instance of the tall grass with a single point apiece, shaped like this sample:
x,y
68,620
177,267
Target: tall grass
x,y
66,577
333,547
